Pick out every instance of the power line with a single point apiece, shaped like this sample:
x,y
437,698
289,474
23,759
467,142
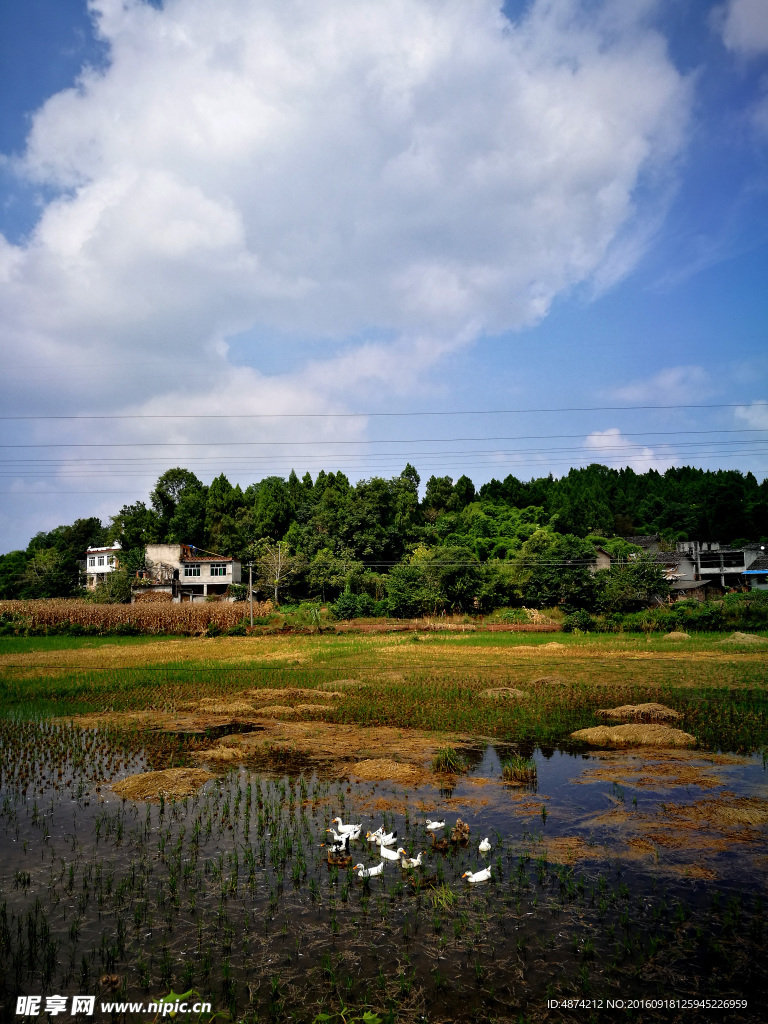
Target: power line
x,y
368,415
330,443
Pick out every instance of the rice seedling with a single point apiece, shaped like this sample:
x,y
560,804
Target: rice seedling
x,y
518,769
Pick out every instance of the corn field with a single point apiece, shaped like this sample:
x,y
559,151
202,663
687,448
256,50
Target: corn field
x,y
147,617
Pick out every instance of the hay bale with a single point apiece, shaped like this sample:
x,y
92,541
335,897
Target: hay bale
x,y
171,782
676,634
503,693
639,735
744,638
373,769
341,684
554,680
318,708
275,710
640,713
223,752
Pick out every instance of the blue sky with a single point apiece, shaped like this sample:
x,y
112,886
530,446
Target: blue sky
x,y
218,218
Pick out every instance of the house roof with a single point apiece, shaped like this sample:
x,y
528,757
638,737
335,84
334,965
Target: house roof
x,y
207,558
759,565
643,540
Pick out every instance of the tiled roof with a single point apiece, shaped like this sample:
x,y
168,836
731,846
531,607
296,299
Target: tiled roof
x,y
759,565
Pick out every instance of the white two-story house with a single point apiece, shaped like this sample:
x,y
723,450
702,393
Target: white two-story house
x,y
186,573
99,563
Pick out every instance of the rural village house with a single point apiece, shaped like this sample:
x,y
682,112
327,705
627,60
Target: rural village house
x,y
99,563
185,573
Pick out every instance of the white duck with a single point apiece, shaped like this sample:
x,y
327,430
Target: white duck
x,y
343,837
364,872
478,876
381,838
341,845
410,862
485,846
434,826
345,829
387,854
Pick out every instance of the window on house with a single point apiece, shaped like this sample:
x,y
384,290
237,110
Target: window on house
x,y
191,570
101,559
218,568
92,561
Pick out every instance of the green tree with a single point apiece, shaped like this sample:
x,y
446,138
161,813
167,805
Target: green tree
x,y
135,526
49,573
12,568
631,585
169,490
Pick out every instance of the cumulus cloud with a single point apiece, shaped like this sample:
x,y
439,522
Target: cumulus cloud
x,y
610,446
744,26
670,386
421,171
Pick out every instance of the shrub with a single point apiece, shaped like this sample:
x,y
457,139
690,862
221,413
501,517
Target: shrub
x,y
581,620
365,605
346,606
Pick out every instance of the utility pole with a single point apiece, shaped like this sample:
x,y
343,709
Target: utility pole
x,y
250,587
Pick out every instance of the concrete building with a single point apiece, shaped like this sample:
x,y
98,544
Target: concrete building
x,y
186,573
756,575
717,564
99,563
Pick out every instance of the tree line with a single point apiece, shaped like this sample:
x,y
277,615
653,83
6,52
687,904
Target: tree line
x,y
378,545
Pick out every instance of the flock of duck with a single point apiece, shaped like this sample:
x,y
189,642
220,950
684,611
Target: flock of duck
x,y
339,854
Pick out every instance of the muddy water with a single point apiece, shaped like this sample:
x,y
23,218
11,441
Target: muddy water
x,y
617,875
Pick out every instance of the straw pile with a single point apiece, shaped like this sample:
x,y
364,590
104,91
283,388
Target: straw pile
x,y
172,782
503,693
676,634
383,768
640,713
639,735
744,638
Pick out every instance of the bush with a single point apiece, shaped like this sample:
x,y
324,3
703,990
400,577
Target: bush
x,y
346,606
580,620
365,606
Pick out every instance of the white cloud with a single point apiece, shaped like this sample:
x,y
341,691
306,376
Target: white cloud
x,y
744,26
422,168
616,450
671,386
755,414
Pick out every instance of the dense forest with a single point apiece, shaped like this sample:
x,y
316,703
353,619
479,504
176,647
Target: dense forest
x,y
507,542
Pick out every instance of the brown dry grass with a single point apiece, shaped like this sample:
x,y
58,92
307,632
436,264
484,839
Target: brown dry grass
x,y
503,693
641,735
172,782
148,616
677,634
384,768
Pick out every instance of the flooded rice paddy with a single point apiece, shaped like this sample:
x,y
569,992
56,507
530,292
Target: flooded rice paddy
x,y
615,875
